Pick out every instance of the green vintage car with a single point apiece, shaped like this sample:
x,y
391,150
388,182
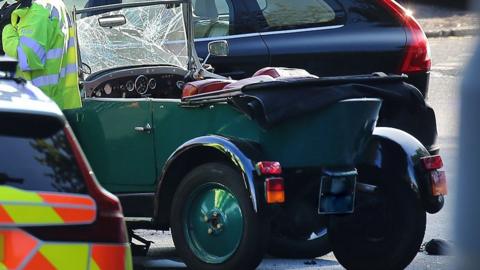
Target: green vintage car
x,y
239,168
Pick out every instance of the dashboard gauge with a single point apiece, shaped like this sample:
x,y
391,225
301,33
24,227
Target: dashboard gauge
x,y
152,84
107,89
130,86
141,84
180,84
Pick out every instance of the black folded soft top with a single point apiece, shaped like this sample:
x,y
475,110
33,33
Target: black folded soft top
x,y
272,102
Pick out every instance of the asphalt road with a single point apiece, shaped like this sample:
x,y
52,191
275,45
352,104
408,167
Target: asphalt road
x,y
449,56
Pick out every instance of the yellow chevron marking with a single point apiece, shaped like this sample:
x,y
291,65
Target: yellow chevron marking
x,y
33,214
11,194
128,259
66,256
93,265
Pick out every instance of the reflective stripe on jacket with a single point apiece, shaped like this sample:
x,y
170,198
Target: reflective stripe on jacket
x,y
42,38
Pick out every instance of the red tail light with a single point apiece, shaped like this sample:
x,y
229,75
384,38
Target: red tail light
x,y
110,224
269,168
432,162
417,55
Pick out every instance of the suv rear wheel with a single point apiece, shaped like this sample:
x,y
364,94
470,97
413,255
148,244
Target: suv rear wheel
x,y
385,231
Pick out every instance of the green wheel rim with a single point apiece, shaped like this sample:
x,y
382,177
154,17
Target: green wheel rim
x,y
213,223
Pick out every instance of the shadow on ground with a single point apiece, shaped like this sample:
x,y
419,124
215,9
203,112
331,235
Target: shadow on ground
x,y
166,258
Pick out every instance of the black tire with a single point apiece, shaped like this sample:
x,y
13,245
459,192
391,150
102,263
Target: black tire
x,y
299,233
385,231
253,242
288,247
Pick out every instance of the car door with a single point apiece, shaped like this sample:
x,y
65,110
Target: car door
x,y
330,37
229,20
116,131
117,138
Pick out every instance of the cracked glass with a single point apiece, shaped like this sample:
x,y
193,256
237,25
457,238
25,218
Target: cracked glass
x,y
150,35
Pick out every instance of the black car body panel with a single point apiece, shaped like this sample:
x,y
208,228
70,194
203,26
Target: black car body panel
x,y
363,38
360,37
396,152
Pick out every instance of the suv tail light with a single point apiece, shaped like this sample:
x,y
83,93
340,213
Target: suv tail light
x,y
110,224
417,55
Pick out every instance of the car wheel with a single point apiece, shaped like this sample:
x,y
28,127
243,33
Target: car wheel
x,y
385,231
214,225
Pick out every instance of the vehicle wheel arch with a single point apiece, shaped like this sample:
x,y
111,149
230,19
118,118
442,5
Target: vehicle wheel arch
x,y
394,150
238,153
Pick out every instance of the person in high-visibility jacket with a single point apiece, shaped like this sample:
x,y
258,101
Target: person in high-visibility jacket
x,y
42,38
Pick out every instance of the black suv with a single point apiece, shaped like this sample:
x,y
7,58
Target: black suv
x,y
325,37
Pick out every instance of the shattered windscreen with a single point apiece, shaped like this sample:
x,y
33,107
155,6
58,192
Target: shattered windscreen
x,y
152,34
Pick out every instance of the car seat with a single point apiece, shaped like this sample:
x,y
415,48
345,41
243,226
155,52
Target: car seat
x,y
263,75
219,28
205,16
204,86
280,73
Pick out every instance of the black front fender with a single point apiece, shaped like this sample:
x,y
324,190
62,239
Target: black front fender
x,y
398,153
240,154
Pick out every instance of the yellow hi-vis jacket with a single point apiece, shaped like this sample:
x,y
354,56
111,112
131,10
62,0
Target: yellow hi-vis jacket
x,y
42,38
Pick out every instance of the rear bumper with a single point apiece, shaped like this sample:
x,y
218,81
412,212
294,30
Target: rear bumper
x,y
420,123
421,81
22,250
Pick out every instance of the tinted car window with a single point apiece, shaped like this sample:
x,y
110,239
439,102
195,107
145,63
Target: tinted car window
x,y
360,11
262,4
293,14
212,18
39,164
222,7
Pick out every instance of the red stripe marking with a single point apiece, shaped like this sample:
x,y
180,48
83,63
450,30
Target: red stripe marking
x,y
4,216
72,215
17,246
67,199
104,254
39,262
